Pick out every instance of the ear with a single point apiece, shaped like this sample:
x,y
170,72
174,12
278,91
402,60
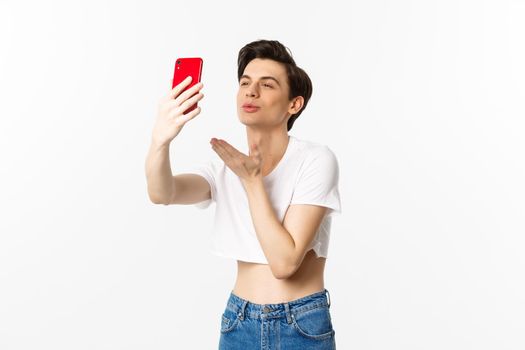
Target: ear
x,y
296,104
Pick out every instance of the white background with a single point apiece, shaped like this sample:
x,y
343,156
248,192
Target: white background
x,y
421,101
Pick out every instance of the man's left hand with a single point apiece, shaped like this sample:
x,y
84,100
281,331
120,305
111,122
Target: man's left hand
x,y
247,168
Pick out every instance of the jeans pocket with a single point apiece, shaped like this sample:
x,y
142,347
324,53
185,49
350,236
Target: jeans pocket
x,y
314,323
229,321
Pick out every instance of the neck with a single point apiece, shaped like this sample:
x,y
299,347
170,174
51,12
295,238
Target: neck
x,y
272,146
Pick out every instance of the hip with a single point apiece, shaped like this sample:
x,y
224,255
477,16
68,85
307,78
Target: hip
x,y
303,323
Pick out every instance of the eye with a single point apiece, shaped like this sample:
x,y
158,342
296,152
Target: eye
x,y
244,83
268,85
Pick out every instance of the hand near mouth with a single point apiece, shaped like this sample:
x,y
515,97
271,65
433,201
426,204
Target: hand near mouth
x,y
247,168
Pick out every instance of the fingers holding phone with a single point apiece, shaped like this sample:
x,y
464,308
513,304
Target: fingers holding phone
x,y
180,98
180,104
171,118
184,67
177,89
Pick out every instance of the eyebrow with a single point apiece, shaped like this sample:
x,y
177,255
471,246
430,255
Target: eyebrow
x,y
262,78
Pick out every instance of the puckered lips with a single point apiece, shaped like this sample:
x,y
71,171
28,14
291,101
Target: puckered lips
x,y
250,107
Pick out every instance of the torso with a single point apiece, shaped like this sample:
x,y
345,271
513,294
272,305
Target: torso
x,y
256,283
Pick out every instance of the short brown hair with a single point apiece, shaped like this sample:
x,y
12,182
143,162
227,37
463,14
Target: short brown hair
x,y
299,82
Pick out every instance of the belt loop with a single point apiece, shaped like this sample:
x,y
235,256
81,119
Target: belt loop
x,y
287,311
241,312
328,297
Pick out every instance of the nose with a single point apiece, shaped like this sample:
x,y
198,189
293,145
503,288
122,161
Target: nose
x,y
251,92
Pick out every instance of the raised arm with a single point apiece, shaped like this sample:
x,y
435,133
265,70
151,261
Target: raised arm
x,y
163,187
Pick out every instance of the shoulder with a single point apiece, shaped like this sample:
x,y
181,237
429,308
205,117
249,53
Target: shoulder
x,y
314,151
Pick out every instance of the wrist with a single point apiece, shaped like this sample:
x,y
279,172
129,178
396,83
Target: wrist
x,y
159,145
252,183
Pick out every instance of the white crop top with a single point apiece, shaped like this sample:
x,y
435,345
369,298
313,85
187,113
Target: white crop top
x,y
308,173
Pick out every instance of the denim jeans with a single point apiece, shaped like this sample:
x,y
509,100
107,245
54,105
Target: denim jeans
x,y
303,324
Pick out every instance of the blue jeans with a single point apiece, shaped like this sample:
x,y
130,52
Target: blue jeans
x,y
300,324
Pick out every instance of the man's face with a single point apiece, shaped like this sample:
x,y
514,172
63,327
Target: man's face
x,y
264,86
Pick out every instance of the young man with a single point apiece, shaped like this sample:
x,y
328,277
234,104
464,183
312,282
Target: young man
x,y
273,205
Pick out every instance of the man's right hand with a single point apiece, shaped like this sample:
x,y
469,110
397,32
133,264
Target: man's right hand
x,y
170,118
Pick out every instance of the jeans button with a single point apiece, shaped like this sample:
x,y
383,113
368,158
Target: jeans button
x,y
266,309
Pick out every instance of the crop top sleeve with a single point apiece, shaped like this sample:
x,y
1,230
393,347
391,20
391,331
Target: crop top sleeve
x,y
208,171
317,181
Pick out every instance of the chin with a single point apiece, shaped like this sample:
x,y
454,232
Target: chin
x,y
245,121
247,116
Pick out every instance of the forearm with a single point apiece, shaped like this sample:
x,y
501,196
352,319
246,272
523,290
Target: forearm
x,y
158,173
276,242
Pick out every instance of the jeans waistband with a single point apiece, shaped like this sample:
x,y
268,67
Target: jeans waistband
x,y
245,308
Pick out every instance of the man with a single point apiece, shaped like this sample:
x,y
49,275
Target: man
x,y
274,204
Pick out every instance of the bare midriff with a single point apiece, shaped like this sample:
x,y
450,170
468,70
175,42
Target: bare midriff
x,y
257,284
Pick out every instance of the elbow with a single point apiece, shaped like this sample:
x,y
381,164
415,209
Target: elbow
x,y
157,200
283,271
286,267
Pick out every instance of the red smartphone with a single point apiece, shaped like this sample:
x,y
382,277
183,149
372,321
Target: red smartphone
x,y
185,66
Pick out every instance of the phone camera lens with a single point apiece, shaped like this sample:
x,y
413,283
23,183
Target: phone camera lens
x,y
178,62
